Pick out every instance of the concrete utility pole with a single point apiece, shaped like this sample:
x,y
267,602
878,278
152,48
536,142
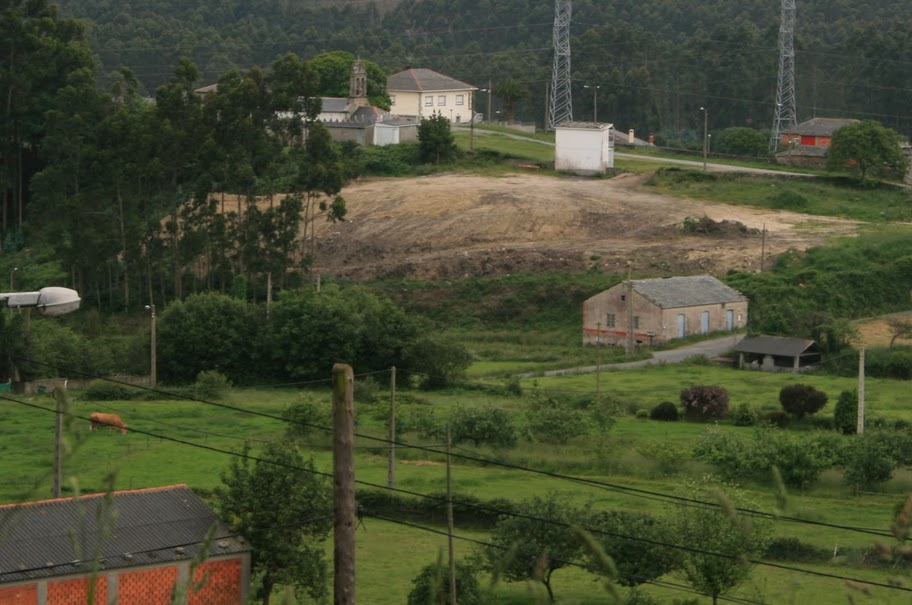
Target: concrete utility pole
x,y
598,358
859,428
60,398
153,362
345,509
391,467
705,132
450,523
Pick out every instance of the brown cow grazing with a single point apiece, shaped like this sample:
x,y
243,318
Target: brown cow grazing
x,y
112,421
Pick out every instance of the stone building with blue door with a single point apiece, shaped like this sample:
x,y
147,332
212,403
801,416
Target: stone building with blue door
x,y
662,309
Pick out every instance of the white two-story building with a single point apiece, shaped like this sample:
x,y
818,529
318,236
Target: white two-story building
x,y
420,93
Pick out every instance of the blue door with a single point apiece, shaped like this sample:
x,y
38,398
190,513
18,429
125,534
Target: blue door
x,y
681,331
704,323
729,320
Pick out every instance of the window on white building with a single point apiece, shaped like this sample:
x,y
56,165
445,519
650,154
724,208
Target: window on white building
x,y
441,100
429,101
460,99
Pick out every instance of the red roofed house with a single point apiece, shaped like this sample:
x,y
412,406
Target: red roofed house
x,y
807,143
141,540
420,93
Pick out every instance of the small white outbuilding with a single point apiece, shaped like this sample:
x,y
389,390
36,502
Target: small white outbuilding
x,y
583,147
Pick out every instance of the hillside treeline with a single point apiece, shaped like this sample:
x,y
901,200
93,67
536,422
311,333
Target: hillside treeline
x,y
656,62
125,199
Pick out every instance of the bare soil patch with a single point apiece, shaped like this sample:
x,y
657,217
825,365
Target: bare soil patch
x,y
457,225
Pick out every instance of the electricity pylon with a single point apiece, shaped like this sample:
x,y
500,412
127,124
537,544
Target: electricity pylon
x,y
561,103
785,117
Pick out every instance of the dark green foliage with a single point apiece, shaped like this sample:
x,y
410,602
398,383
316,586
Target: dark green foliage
x,y
468,511
718,529
866,147
800,400
432,585
284,510
210,385
633,540
309,331
800,458
206,332
741,141
390,160
788,200
778,418
482,425
105,390
437,361
435,139
420,420
845,413
664,411
871,458
524,548
744,415
895,363
793,549
554,420
704,402
308,416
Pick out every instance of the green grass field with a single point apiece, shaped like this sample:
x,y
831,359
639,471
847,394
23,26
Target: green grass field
x,y
390,554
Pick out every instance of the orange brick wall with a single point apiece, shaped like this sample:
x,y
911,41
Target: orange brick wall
x,y
76,591
19,595
223,583
146,587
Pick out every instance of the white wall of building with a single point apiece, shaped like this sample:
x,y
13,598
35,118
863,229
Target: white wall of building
x,y
583,148
454,105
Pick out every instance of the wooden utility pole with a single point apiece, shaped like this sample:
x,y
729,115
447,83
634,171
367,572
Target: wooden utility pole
x,y
60,398
391,468
763,249
450,524
344,506
859,428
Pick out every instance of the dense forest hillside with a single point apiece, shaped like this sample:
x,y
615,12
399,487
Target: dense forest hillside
x,y
656,61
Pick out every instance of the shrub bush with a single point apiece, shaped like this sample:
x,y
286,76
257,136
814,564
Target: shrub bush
x,y
704,402
666,411
744,415
870,460
642,414
484,425
788,200
801,400
210,384
307,415
793,549
776,418
553,420
845,414
418,419
432,585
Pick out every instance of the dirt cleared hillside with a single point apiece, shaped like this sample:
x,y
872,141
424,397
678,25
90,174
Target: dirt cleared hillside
x,y
457,225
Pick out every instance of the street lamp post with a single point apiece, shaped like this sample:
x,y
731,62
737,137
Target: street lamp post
x,y
12,273
595,88
152,362
705,134
472,118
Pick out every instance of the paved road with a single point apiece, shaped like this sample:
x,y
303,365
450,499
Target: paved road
x,y
709,348
711,167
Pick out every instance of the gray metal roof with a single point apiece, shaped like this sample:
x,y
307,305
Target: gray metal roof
x,y
141,527
334,104
672,292
776,345
420,80
821,127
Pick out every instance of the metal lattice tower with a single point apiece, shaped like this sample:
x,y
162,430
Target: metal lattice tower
x,y
785,117
561,104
